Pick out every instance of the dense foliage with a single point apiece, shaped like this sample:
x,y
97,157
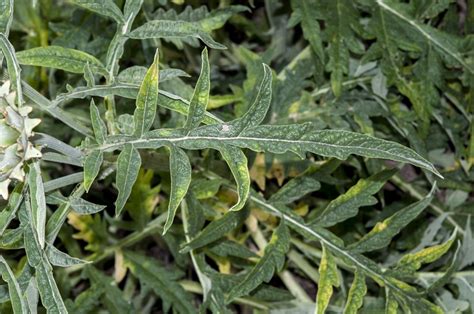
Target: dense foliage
x,y
236,156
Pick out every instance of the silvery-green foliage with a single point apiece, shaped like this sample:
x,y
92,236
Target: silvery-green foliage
x,y
289,155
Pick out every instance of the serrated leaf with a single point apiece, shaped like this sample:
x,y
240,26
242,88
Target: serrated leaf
x,y
128,165
358,289
216,230
61,259
237,162
174,29
328,278
147,99
92,163
383,232
103,7
180,171
57,57
16,296
410,263
347,205
272,261
38,201
200,98
161,280
98,125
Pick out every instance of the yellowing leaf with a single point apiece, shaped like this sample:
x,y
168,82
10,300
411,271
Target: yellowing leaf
x,y
328,278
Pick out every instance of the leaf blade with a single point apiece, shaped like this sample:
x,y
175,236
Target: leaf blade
x,y
128,165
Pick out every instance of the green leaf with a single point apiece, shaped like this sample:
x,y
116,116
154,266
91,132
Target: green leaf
x,y
16,296
216,230
161,280
113,296
92,163
279,139
410,263
200,99
358,289
174,29
237,162
259,108
328,278
49,292
87,300
383,232
147,99
342,40
347,205
61,259
12,66
180,171
128,165
38,202
439,40
103,7
272,260
9,212
306,12
57,57
6,16
98,125
83,207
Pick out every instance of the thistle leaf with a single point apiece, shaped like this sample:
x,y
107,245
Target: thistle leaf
x,y
410,263
161,280
57,57
200,99
358,289
383,232
61,259
174,29
16,296
272,261
347,205
92,163
328,278
98,125
38,202
147,99
49,292
216,230
128,165
6,16
237,162
106,8
180,171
